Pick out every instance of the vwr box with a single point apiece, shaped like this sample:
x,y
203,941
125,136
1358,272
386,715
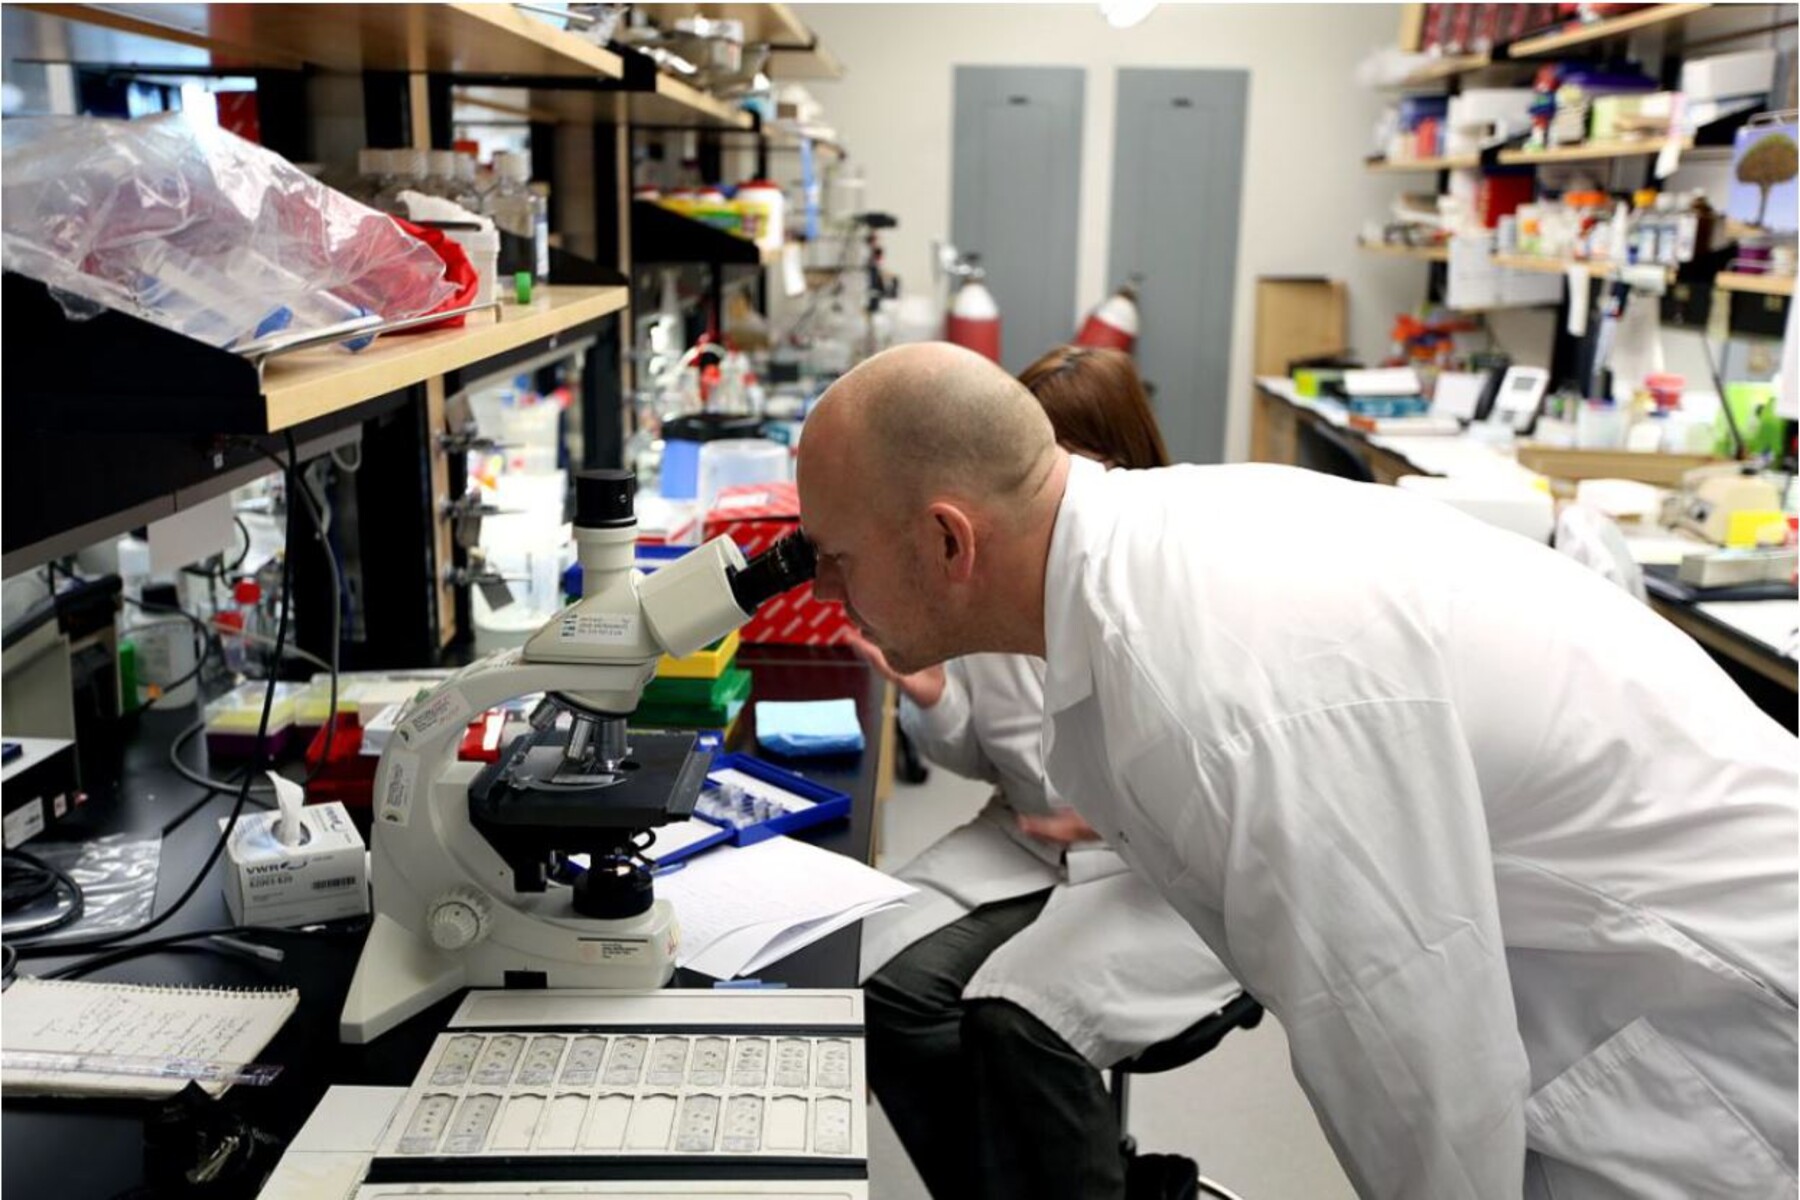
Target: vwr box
x,y
324,878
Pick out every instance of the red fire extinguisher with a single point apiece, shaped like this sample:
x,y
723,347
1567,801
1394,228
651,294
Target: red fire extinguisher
x,y
974,318
1113,325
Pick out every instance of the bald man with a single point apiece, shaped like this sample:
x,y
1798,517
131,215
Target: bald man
x,y
1511,859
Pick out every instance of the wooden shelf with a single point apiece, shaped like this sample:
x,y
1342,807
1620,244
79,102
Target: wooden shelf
x,y
776,24
677,103
1588,151
1560,266
794,50
1453,163
1762,285
448,38
1422,253
782,140
670,103
1574,35
810,62
311,384
1447,67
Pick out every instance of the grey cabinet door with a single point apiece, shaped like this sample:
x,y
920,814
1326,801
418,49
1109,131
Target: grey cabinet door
x,y
1178,167
1015,197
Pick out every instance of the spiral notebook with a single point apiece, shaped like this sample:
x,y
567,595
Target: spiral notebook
x,y
73,1038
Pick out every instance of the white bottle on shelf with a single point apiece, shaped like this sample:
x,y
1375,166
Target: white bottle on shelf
x,y
518,210
467,191
406,173
440,174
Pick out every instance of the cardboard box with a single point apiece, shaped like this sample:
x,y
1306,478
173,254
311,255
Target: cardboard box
x,y
756,516
325,878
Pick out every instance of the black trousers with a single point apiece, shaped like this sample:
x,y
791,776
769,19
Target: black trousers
x,y
988,1101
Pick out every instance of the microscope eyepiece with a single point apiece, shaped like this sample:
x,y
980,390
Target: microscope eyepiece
x,y
787,564
603,499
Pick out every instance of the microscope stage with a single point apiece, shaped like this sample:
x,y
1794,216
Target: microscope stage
x,y
533,799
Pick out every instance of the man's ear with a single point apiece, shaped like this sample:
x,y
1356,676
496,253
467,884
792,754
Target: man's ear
x,y
953,537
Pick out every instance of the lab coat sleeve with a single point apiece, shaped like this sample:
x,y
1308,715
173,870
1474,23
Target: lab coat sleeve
x,y
1347,850
945,732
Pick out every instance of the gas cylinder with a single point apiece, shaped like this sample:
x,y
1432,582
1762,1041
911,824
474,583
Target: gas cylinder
x,y
974,319
1113,325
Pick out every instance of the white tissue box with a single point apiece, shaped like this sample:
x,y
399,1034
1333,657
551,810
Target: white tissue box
x,y
324,878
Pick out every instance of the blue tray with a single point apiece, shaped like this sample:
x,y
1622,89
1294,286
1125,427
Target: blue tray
x,y
828,804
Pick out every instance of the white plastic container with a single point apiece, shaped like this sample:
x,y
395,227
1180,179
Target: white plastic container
x,y
530,430
765,212
732,462
483,248
481,244
1601,427
1746,73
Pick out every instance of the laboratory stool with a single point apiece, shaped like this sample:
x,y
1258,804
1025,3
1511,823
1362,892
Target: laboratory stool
x,y
1241,1012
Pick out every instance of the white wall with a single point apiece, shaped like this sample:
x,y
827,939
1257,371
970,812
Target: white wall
x,y
1305,191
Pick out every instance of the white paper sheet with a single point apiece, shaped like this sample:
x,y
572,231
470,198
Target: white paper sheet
x,y
1774,623
778,887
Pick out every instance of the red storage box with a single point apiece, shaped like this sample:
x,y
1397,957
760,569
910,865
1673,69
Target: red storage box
x,y
1501,195
756,516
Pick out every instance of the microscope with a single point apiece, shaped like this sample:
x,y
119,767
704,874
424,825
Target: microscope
x,y
471,863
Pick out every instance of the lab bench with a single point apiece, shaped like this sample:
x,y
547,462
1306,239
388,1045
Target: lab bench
x,y
82,1148
1767,670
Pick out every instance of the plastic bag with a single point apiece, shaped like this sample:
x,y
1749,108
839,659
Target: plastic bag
x,y
117,877
183,224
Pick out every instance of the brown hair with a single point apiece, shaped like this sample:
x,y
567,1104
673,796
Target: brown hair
x,y
1096,402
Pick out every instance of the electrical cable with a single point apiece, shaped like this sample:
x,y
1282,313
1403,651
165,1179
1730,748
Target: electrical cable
x,y
22,889
259,787
188,772
40,879
305,656
319,509
96,962
812,301
112,941
208,642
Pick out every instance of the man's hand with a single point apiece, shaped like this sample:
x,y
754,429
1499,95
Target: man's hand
x,y
924,688
1063,829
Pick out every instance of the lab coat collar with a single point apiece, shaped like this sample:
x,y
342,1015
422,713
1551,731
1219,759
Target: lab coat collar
x,y
1079,532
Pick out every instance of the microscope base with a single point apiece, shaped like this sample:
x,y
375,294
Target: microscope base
x,y
400,975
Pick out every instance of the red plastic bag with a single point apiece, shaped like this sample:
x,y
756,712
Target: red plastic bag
x,y
459,273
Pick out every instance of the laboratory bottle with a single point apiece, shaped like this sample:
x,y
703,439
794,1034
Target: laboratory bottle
x,y
134,567
371,175
406,174
466,192
167,649
248,597
517,210
440,174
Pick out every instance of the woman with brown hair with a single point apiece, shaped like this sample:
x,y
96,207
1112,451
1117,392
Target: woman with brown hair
x,y
1029,959
1097,404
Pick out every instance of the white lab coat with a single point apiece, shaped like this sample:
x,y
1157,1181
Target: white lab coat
x,y
1511,859
1107,964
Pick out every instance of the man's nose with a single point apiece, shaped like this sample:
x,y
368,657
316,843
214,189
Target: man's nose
x,y
827,585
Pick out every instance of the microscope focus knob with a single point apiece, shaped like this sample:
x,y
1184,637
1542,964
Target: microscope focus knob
x,y
458,919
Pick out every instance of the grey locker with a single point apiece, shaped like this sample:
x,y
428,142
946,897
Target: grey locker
x,y
1015,187
1178,168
